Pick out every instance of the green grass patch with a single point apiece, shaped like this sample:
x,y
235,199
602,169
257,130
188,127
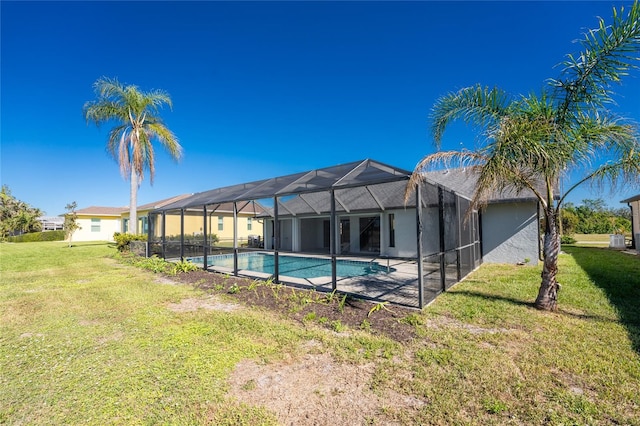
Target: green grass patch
x,y
86,338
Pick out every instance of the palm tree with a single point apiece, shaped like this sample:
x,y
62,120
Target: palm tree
x,y
130,141
531,142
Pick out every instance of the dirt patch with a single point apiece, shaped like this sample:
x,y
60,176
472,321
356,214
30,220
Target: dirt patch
x,y
311,387
315,390
210,303
334,311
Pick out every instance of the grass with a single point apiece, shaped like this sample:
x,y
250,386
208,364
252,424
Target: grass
x,y
593,240
86,339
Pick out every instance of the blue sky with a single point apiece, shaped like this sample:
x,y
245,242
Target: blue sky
x,y
262,89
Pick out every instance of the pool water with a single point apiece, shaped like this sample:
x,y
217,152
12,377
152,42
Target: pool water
x,y
294,266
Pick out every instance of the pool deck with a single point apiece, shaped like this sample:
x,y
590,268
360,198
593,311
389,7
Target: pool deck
x,y
399,286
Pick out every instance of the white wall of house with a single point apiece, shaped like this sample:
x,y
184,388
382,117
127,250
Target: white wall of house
x,y
510,233
96,228
405,233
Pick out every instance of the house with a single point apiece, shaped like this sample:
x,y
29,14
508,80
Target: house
x,y
634,205
358,211
51,223
100,223
509,223
143,210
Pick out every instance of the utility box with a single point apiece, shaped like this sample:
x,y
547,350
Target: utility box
x,y
617,241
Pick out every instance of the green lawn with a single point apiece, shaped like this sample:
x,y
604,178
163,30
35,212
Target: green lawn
x,y
86,339
593,240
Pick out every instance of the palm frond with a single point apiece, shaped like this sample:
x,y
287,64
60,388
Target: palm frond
x,y
166,138
446,159
130,141
610,51
477,105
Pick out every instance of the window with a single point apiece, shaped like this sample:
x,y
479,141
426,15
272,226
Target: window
x,y
392,230
95,225
220,223
249,224
125,225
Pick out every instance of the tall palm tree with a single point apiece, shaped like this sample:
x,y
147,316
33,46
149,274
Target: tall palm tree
x,y
138,123
531,142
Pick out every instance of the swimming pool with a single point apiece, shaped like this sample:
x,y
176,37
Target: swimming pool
x,y
294,266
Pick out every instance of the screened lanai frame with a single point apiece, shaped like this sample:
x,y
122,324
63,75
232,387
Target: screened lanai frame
x,y
359,188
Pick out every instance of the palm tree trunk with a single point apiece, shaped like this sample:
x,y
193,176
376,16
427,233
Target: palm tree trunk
x,y
548,293
133,203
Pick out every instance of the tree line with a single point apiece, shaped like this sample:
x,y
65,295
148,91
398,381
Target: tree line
x,y
595,217
17,217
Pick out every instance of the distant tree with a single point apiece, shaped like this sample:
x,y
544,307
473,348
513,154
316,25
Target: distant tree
x,y
594,217
570,220
532,141
135,114
71,221
624,212
17,217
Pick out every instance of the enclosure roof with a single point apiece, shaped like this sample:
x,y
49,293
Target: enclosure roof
x,y
349,175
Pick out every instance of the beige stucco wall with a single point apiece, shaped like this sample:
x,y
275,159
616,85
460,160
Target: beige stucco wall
x,y
101,229
194,225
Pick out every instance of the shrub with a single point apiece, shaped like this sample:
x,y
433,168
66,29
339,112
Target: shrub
x,y
154,264
183,266
38,236
567,239
123,240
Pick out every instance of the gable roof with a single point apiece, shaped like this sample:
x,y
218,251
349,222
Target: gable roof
x,y
118,211
162,203
100,211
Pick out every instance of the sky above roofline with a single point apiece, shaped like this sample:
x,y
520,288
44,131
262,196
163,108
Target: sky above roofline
x,y
264,89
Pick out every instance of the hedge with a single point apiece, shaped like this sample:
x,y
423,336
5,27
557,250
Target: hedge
x,y
38,236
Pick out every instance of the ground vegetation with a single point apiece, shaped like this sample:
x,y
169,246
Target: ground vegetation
x,y
17,217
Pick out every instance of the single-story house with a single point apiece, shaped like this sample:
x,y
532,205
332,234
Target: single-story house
x,y
634,205
97,223
100,223
357,212
51,223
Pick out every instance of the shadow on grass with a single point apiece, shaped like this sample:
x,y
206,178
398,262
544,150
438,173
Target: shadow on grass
x,y
531,304
485,296
618,274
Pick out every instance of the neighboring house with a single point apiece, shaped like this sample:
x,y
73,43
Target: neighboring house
x,y
634,205
100,223
144,210
219,221
51,223
97,223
